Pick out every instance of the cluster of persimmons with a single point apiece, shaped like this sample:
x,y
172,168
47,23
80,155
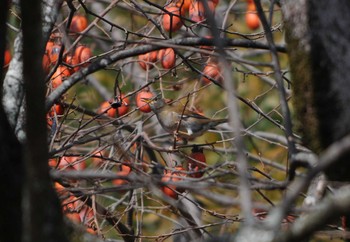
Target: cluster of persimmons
x,y
59,64
60,69
72,61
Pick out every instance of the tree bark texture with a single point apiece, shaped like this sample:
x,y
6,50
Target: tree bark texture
x,y
10,158
318,42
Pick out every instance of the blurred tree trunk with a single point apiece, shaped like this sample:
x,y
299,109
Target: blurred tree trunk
x,y
318,37
318,40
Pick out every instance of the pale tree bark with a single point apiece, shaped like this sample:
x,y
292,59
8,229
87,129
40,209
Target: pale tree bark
x,y
13,87
11,159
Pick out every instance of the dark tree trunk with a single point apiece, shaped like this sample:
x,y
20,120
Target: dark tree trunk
x,y
42,216
330,63
318,40
11,174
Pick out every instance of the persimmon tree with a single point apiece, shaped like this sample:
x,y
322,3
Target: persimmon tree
x,y
82,150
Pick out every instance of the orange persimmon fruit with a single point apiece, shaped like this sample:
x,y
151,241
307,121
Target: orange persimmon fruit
x,y
213,71
79,23
251,17
172,20
125,170
183,4
7,58
140,103
107,107
146,60
167,58
83,54
173,176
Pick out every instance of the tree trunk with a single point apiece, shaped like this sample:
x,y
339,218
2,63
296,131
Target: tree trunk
x,y
318,40
42,218
318,43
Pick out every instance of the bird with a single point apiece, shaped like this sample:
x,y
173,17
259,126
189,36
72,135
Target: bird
x,y
180,121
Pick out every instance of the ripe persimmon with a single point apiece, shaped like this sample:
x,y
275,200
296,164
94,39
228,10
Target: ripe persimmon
x,y
140,103
79,23
146,60
160,54
56,79
112,111
125,104
60,74
213,71
49,46
63,71
46,57
173,176
171,22
7,58
83,54
183,4
125,170
251,17
167,58
57,109
73,62
108,109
